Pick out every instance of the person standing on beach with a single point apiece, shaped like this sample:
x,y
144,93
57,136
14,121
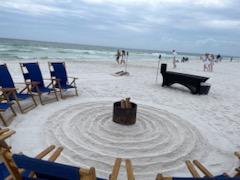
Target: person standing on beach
x,y
159,57
123,57
174,58
206,62
211,62
118,55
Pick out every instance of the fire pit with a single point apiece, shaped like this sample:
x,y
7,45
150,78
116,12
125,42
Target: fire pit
x,y
126,115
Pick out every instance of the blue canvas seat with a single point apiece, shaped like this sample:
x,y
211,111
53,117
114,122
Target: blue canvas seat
x,y
33,77
58,74
10,92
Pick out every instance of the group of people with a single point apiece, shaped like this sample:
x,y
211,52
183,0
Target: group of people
x,y
208,62
121,56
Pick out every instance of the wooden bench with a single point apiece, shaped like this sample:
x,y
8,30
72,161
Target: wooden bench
x,y
192,82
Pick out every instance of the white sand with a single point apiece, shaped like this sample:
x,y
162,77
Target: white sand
x,y
172,124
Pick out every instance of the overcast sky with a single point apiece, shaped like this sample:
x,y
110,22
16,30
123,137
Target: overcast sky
x,y
184,25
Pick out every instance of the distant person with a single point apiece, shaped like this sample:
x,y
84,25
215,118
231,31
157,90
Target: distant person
x,y
174,58
218,58
118,55
160,56
211,62
205,62
123,57
231,59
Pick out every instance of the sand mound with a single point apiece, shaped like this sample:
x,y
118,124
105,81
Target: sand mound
x,y
158,141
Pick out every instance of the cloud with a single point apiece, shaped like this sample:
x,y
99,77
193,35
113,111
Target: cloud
x,y
30,7
205,3
171,22
223,24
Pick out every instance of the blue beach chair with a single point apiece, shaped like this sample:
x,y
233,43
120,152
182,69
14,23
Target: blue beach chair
x,y
47,170
58,74
33,77
14,172
10,91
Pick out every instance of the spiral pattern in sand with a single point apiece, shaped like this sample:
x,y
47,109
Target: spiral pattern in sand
x,y
158,141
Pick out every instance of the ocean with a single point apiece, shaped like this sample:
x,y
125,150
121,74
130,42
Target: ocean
x,y
15,49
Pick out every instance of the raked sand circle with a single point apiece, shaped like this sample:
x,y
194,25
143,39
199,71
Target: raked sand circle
x,y
159,141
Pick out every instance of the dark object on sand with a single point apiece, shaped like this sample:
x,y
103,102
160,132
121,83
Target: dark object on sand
x,y
185,59
126,115
194,83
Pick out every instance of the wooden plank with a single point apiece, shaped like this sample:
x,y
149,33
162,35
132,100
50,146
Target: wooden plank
x,y
202,168
56,154
116,168
237,154
192,169
4,130
6,135
45,152
129,168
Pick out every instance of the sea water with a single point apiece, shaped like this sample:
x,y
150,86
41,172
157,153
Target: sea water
x,y
14,49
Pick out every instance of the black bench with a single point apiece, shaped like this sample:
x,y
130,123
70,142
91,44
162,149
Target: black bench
x,y
192,82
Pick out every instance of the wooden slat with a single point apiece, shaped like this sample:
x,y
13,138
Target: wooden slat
x,y
161,177
192,169
202,168
237,154
55,155
6,135
238,172
4,130
129,169
45,152
116,168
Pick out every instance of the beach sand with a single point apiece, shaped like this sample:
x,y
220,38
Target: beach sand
x,y
172,124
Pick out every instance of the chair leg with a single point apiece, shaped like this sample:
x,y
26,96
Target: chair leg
x,y
33,100
3,120
13,111
19,106
55,92
61,93
40,98
76,91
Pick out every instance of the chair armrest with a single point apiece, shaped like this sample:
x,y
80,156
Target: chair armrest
x,y
202,168
7,135
34,83
56,154
8,89
45,152
19,83
72,77
192,169
237,154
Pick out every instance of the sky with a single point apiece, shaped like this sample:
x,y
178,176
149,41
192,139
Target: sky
x,y
185,25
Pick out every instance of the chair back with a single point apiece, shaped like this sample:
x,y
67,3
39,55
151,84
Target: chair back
x,y
6,80
46,169
33,73
59,72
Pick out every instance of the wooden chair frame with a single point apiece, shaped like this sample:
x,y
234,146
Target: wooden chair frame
x,y
4,134
3,119
33,84
7,92
57,81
